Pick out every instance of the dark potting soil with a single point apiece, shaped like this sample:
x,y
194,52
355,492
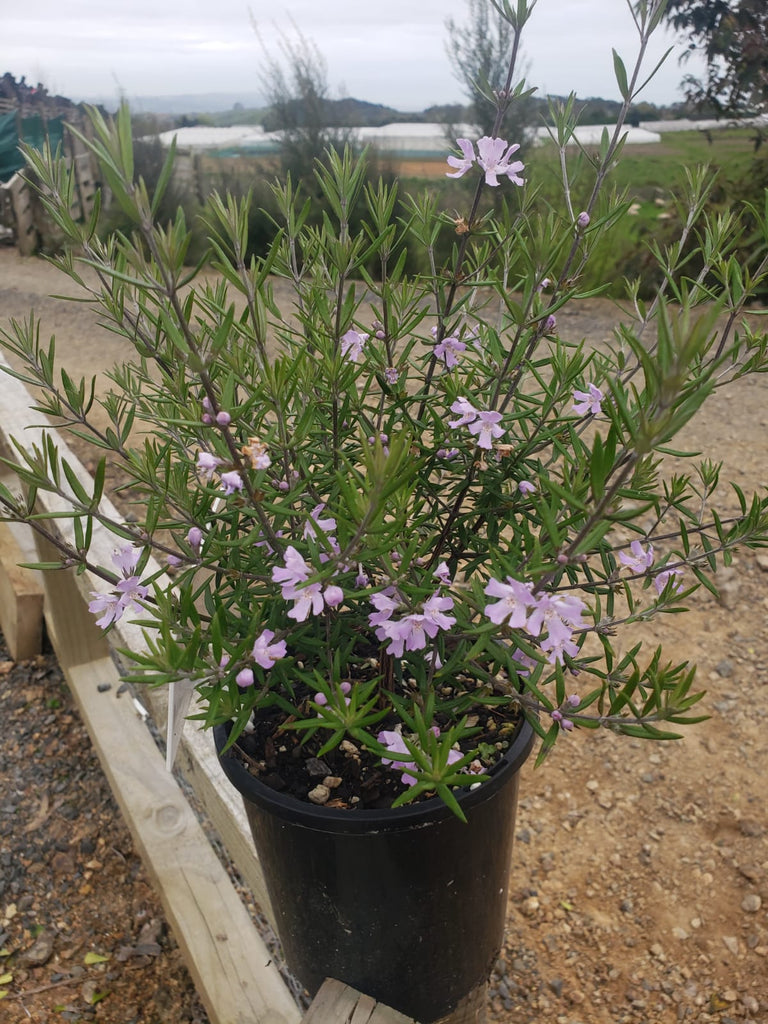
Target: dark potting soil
x,y
349,776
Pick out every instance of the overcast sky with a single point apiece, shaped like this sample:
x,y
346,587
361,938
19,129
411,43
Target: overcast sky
x,y
384,51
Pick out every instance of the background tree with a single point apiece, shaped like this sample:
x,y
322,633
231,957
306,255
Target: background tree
x,y
479,53
732,37
296,89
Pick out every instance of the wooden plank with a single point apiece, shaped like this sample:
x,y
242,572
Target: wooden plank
x,y
337,1003
228,961
22,204
21,600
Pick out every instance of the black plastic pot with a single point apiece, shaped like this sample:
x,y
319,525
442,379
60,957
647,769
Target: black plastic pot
x,y
406,905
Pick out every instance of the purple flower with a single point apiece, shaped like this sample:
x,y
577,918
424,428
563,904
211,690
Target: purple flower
x,y
583,220
295,572
130,590
333,596
391,375
244,678
525,662
550,323
361,580
231,482
395,743
447,349
110,604
385,602
174,561
588,401
559,642
493,156
486,428
434,609
661,580
265,653
195,539
443,574
464,162
526,487
326,525
641,558
223,418
126,559
515,598
466,412
352,345
207,464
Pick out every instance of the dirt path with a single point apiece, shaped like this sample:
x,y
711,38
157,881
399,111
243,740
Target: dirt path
x,y
639,889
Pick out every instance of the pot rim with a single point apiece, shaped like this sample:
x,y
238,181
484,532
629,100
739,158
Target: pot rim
x,y
351,820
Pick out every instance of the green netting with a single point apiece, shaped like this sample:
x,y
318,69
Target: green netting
x,y
34,131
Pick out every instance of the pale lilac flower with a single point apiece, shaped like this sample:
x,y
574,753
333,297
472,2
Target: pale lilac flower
x,y
434,609
447,350
588,401
126,559
352,345
244,678
583,220
195,539
327,525
385,602
662,579
265,653
641,558
223,418
465,411
174,561
305,600
320,699
115,605
333,596
391,375
550,324
545,282
493,156
562,721
130,588
110,604
447,453
525,662
515,598
564,608
361,580
464,162
395,743
231,482
559,642
207,465
486,427
573,700
526,487
294,572
443,574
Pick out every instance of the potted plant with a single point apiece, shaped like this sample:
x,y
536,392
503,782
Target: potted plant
x,y
401,521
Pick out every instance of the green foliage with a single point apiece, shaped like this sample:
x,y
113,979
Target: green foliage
x,y
399,496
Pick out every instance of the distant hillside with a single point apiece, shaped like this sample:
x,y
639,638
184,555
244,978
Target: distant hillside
x,y
246,108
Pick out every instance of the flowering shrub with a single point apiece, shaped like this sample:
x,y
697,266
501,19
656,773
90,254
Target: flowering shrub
x,y
403,512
